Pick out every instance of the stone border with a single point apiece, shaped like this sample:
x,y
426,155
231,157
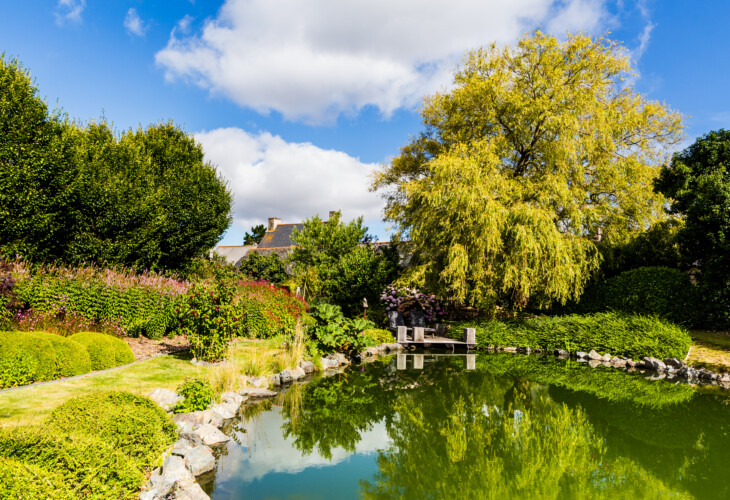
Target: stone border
x,y
199,432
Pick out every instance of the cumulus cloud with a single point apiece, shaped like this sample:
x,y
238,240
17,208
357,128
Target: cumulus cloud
x,y
314,60
274,178
69,11
134,24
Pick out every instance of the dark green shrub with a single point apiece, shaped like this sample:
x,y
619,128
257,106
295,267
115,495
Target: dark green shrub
x,y
379,336
27,357
105,351
620,334
659,291
333,332
88,465
130,423
268,268
19,480
197,395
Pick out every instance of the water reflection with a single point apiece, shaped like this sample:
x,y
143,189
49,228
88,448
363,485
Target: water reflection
x,y
491,426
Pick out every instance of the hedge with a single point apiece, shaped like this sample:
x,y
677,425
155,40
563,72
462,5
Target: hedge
x,y
105,351
132,424
658,291
620,334
27,357
89,466
19,480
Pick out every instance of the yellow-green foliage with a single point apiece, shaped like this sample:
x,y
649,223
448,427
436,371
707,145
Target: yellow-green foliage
x,y
27,357
379,336
89,466
105,351
19,480
535,150
132,424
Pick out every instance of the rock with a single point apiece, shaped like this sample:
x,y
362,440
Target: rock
x,y
581,355
631,363
225,412
258,382
392,347
285,376
308,366
165,398
150,495
654,364
209,435
606,358
707,374
200,460
561,353
274,379
724,377
232,398
175,473
525,350
593,363
658,376
592,354
618,362
181,447
509,349
298,373
329,364
192,492
255,392
371,352
673,363
198,362
199,418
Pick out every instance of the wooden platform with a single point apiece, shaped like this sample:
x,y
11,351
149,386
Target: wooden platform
x,y
437,342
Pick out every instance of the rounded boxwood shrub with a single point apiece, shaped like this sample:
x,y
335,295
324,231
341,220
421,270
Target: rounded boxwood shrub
x,y
659,291
379,336
89,466
21,480
130,423
105,351
27,357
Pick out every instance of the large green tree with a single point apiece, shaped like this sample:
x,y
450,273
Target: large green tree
x,y
536,151
698,182
37,170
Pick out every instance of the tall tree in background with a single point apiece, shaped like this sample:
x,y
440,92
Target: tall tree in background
x,y
536,151
37,170
255,236
698,181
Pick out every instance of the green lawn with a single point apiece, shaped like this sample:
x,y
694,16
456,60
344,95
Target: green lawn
x,y
710,350
33,403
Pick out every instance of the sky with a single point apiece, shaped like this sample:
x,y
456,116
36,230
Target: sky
x,y
296,102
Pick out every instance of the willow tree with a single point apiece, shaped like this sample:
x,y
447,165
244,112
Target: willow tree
x,y
537,151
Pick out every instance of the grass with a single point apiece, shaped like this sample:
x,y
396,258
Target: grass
x,y
710,350
33,403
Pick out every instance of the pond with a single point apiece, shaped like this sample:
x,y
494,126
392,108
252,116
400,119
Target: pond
x,y
480,426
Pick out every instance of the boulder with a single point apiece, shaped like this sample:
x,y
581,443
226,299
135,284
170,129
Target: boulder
x,y
618,362
631,363
673,363
165,398
606,358
392,347
200,460
307,366
209,435
174,473
592,354
525,350
581,355
329,364
654,364
509,349
199,418
274,379
192,492
561,353
298,373
255,392
258,382
181,447
232,398
225,411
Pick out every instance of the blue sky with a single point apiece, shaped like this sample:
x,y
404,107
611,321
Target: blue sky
x,y
296,101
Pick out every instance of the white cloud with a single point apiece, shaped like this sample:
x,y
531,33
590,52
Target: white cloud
x,y
69,11
314,60
134,24
274,178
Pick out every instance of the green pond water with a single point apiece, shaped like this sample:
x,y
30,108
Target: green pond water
x,y
480,426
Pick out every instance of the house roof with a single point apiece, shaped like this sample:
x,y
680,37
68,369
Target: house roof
x,y
233,254
280,237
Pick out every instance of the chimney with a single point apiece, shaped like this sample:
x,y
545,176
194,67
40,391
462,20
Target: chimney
x,y
273,222
332,214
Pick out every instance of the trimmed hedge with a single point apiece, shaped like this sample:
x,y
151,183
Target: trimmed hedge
x,y
89,466
379,336
26,481
620,334
27,357
105,351
132,424
658,291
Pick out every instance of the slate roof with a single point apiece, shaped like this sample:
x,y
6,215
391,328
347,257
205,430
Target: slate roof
x,y
279,237
233,254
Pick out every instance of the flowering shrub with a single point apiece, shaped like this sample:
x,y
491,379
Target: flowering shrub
x,y
334,332
69,300
269,310
399,298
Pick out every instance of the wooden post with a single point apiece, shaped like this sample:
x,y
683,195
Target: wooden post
x,y
418,334
401,361
471,361
418,361
402,334
470,336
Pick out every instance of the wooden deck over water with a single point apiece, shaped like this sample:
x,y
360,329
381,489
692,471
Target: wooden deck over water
x,y
437,342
